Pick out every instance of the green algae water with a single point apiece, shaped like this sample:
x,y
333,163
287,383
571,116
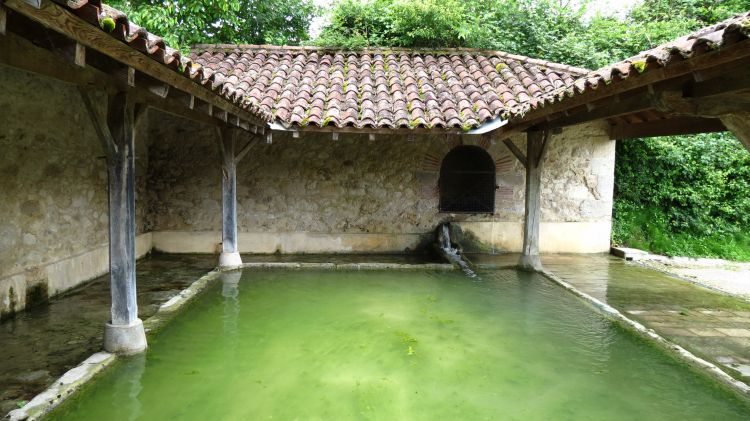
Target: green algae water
x,y
322,345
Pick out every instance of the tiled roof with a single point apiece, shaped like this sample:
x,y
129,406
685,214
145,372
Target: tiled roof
x,y
708,39
94,12
382,88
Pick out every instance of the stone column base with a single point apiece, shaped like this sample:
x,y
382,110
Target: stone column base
x,y
230,260
530,263
125,339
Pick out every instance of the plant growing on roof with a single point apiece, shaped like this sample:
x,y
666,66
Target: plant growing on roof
x,y
640,65
107,24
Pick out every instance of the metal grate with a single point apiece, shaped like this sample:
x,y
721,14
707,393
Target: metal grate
x,y
467,181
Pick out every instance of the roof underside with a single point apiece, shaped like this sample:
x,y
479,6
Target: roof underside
x,y
153,46
383,88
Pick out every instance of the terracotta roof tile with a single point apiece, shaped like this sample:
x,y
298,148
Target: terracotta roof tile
x,y
93,11
715,37
452,88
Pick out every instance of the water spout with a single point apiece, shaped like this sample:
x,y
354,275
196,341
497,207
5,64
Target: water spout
x,y
450,253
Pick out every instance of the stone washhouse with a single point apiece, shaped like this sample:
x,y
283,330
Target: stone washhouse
x,y
114,145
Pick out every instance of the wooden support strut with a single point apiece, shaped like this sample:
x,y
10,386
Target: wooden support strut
x,y
536,144
515,151
739,125
124,333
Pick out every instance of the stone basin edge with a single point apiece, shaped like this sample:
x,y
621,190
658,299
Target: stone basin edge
x,y
697,364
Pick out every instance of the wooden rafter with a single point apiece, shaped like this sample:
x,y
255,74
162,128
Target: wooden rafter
x,y
20,53
60,20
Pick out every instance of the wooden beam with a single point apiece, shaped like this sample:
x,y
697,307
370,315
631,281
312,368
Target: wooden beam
x,y
627,106
668,127
734,52
19,53
739,125
675,103
723,80
57,18
515,151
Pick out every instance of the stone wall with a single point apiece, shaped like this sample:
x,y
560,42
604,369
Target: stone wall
x,y
315,194
53,179
295,195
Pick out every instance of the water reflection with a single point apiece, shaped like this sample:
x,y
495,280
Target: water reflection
x,y
128,387
230,291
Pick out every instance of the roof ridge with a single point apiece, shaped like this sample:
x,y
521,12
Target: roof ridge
x,y
201,48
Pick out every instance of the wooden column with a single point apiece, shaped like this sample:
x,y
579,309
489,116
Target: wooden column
x,y
739,125
124,334
230,256
535,147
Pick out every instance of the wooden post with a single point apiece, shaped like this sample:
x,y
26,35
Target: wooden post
x,y
739,125
535,145
230,256
124,333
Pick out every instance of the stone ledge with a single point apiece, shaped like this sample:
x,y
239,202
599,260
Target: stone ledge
x,y
63,388
348,266
699,364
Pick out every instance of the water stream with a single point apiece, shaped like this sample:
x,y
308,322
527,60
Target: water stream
x,y
452,254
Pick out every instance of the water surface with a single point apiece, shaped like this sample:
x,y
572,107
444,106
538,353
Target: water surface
x,y
396,345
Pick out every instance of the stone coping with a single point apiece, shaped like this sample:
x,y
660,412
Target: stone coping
x,y
699,364
347,266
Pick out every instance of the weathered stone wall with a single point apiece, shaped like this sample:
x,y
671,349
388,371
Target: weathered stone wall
x,y
53,179
315,194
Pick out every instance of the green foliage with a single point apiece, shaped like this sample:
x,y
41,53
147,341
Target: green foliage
x,y
398,23
187,22
684,196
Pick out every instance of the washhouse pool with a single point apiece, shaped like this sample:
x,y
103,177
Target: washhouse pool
x,y
396,345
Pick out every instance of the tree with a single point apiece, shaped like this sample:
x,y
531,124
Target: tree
x,y
187,22
399,23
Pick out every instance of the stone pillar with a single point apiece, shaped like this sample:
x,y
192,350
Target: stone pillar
x,y
230,256
529,259
124,333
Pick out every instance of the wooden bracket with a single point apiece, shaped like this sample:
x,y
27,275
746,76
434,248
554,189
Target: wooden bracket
x,y
99,122
515,151
245,149
545,146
